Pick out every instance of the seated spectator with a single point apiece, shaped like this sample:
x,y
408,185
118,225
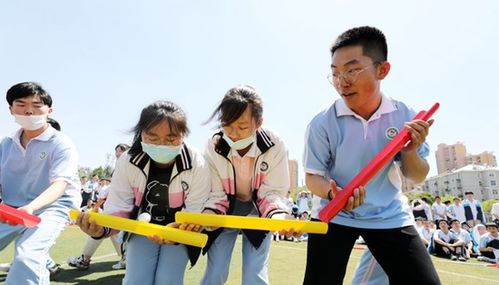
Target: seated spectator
x,y
419,223
426,234
446,243
466,227
478,231
489,243
462,235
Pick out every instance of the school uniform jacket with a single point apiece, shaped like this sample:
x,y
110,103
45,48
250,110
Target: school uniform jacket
x,y
469,214
188,190
270,179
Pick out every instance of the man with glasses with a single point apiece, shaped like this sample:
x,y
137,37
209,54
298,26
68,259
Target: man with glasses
x,y
340,141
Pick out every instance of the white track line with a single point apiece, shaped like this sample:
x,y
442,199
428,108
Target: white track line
x,y
468,276
439,270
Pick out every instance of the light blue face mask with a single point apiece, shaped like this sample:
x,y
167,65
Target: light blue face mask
x,y
161,153
240,144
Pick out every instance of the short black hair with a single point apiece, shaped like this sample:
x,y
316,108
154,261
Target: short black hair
x,y
443,220
491,224
27,89
371,39
122,147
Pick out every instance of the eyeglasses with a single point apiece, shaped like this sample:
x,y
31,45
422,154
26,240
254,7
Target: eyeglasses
x,y
350,76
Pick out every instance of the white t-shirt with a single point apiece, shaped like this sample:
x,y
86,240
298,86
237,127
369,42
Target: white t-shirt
x,y
457,211
486,238
473,209
438,210
443,236
425,233
495,211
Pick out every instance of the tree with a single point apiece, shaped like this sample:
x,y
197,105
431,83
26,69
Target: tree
x,y
102,172
84,171
487,205
419,195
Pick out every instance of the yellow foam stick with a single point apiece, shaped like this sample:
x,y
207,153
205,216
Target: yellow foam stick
x,y
252,223
145,229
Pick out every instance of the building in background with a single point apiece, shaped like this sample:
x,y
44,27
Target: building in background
x,y
479,179
484,158
452,157
293,174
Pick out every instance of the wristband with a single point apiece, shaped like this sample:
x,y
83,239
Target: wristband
x,y
329,195
104,233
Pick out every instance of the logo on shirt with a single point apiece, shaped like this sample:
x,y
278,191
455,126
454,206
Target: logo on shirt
x,y
391,133
264,166
43,154
185,186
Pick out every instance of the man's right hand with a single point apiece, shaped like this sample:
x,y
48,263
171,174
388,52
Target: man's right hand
x,y
357,199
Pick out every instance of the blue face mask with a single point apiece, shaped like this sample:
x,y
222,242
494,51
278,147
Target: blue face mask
x,y
161,153
240,144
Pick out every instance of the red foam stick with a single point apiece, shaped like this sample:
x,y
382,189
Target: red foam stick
x,y
372,168
17,217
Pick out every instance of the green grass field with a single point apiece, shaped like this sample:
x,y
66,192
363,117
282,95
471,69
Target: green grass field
x,y
287,263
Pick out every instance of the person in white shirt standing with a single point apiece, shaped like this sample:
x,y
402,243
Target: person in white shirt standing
x,y
456,211
438,209
494,212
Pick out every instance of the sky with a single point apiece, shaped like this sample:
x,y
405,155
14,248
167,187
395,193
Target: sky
x,y
103,61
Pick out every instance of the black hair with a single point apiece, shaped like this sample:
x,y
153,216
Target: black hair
x,y
491,224
55,124
443,220
153,115
372,41
28,89
122,147
235,102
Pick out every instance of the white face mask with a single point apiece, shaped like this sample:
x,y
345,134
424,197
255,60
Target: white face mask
x,y
240,144
31,123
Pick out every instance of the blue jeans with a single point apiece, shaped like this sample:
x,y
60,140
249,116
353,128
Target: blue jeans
x,y
255,260
32,246
152,264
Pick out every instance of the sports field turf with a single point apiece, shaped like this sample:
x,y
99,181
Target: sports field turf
x,y
287,263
